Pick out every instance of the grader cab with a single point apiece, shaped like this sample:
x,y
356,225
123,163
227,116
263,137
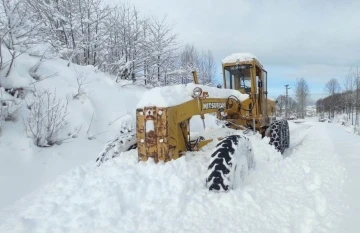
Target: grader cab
x,y
163,132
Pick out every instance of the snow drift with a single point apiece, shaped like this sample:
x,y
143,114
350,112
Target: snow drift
x,y
301,193
239,57
96,111
177,94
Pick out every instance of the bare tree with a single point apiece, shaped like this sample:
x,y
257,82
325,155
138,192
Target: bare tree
x,y
348,98
162,42
2,111
188,62
81,81
292,105
281,102
333,87
302,94
355,74
347,101
207,68
203,62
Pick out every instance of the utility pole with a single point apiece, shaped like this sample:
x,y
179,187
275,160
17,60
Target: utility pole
x,y
286,100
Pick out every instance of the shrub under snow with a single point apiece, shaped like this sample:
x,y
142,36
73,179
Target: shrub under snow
x,y
9,105
47,119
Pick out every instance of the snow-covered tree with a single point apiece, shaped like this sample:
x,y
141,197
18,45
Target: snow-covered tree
x,y
203,63
161,45
17,30
115,39
333,88
125,45
302,93
281,103
207,67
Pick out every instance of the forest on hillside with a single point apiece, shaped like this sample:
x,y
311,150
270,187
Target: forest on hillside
x,y
118,39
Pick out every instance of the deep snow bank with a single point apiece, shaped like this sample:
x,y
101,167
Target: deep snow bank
x,y
98,113
301,193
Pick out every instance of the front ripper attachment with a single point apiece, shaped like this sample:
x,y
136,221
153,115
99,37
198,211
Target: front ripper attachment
x,y
125,141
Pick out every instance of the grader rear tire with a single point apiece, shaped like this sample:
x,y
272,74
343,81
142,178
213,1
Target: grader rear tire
x,y
287,134
280,135
230,162
277,135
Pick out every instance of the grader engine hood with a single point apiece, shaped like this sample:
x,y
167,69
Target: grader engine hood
x,y
163,118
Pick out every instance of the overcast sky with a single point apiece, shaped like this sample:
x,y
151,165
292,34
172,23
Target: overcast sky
x,y
316,39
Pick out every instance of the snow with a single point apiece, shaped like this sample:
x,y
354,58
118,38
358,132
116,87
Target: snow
x,y
312,187
304,192
348,147
177,94
95,117
239,57
150,126
4,96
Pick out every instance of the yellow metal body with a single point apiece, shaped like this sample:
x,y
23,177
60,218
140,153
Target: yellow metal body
x,y
163,134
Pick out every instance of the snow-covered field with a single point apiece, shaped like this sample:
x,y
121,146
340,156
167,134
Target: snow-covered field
x,y
313,187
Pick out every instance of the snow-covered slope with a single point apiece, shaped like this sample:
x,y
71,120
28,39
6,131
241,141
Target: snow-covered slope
x,y
102,109
302,193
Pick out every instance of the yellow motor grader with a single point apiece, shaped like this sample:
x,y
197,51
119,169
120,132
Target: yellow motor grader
x,y
163,133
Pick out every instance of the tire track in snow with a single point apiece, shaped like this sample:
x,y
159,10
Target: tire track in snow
x,y
297,136
348,147
323,180
306,184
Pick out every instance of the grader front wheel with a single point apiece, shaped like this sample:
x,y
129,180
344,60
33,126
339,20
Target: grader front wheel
x,y
230,163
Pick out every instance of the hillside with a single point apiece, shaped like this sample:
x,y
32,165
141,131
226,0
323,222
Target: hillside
x,y
97,109
100,109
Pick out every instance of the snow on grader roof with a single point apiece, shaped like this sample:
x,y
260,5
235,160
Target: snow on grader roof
x,y
239,57
168,96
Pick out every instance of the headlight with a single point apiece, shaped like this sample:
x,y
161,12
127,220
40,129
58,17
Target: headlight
x,y
197,92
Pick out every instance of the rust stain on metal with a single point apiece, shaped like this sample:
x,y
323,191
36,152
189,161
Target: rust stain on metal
x,y
140,134
162,134
150,132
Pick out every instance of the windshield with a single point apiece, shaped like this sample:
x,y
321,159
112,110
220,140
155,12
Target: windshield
x,y
238,77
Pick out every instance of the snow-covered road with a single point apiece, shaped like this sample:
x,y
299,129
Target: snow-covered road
x,y
347,147
308,191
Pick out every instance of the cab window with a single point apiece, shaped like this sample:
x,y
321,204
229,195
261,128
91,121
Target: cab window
x,y
238,78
